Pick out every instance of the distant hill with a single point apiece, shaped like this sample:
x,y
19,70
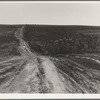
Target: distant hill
x,y
8,41
48,32
52,39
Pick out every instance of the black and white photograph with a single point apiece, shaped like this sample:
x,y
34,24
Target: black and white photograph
x,y
50,47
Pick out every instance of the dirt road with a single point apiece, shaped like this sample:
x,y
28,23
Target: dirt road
x,y
29,73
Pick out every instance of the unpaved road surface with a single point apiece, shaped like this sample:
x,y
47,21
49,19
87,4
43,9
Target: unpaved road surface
x,y
29,73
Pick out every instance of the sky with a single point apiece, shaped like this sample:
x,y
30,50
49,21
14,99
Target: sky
x,y
64,13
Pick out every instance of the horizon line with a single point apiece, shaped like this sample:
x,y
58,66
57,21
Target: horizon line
x,y
53,24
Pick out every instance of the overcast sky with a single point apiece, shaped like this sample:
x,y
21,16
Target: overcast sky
x,y
50,13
